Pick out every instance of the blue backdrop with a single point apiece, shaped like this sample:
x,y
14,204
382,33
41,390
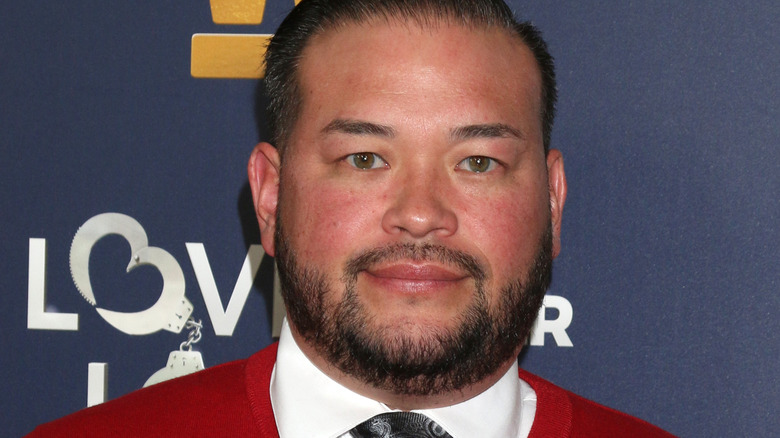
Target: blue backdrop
x,y
667,120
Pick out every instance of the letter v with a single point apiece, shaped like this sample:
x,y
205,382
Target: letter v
x,y
224,319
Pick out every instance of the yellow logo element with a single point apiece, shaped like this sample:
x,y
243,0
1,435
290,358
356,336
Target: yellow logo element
x,y
237,11
231,55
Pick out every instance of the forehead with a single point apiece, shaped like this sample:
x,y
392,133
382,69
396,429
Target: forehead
x,y
380,62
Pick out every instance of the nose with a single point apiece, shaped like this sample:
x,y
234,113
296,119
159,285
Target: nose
x,y
420,207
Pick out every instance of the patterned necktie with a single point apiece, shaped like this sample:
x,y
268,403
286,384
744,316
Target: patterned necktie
x,y
399,425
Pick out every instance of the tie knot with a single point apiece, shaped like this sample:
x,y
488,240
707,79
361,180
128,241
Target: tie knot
x,y
399,425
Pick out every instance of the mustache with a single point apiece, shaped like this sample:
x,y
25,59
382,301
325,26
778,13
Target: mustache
x,y
416,252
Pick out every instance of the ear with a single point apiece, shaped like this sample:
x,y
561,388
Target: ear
x,y
556,181
263,172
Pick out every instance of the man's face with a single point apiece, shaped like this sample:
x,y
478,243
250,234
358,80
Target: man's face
x,y
415,200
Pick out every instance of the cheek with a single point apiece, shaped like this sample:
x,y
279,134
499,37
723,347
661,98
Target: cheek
x,y
327,223
507,229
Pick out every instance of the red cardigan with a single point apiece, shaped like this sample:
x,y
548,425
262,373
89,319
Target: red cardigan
x,y
233,400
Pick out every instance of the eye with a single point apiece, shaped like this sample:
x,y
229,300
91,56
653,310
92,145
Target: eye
x,y
366,161
477,164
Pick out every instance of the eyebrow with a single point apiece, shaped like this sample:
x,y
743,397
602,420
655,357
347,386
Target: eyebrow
x,y
490,130
358,127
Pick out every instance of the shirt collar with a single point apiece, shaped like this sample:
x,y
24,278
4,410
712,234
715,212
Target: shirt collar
x,y
306,402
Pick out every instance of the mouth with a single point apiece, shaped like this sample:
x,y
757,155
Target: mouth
x,y
413,277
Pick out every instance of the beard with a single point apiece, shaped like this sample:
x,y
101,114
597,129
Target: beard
x,y
422,360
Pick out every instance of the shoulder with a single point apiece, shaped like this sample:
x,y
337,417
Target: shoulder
x,y
191,405
562,413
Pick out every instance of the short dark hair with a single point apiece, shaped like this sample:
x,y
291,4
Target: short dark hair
x,y
313,17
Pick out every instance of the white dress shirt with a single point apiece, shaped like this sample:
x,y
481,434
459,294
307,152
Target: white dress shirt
x,y
308,403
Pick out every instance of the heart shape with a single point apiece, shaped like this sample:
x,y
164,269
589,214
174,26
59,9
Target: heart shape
x,y
172,308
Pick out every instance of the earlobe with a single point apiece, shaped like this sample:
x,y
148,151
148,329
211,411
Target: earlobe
x,y
263,170
556,180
